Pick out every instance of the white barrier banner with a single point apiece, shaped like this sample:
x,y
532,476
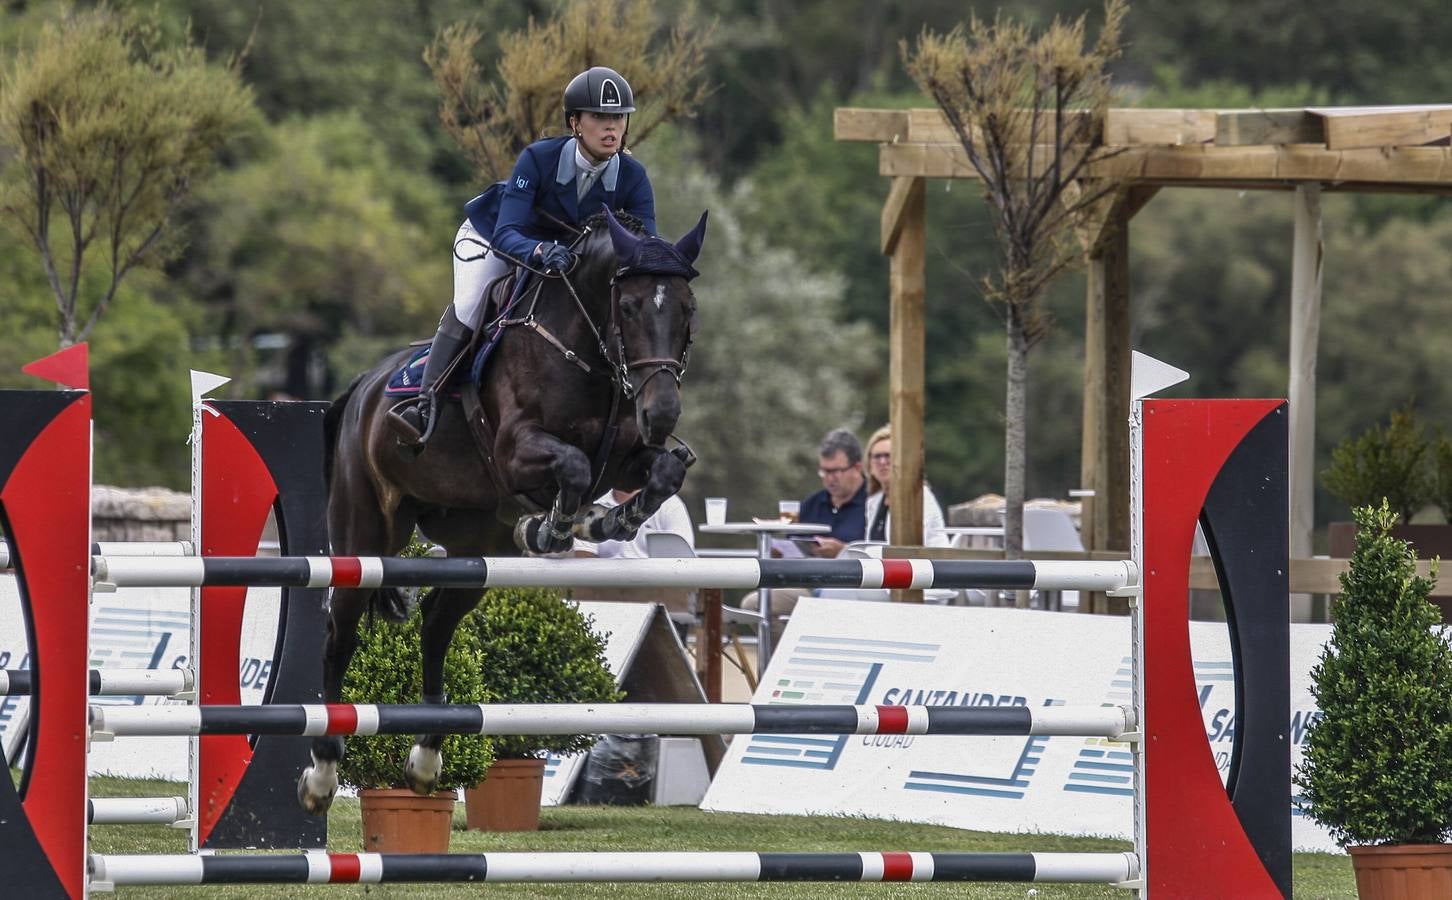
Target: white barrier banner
x,y
966,656
139,628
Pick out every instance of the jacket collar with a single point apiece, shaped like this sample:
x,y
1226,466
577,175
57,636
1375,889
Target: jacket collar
x,y
566,171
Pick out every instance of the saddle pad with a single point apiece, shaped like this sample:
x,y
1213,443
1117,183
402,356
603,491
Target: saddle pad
x,y
405,382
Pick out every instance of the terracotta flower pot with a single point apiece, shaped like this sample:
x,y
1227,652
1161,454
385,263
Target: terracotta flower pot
x,y
1403,871
508,798
396,820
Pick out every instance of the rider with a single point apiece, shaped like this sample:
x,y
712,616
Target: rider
x,y
557,182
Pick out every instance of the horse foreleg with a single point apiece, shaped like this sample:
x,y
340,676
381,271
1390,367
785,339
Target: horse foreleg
x,y
319,781
443,609
537,454
664,473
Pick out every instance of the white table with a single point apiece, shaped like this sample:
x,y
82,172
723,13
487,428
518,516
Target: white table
x,y
764,532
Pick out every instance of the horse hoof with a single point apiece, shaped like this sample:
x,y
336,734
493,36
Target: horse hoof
x,y
312,803
522,532
421,771
533,539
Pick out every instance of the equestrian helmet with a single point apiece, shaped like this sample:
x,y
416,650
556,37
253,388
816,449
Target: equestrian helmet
x,y
600,90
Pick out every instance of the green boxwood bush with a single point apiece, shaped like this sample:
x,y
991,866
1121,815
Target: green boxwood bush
x,y
539,648
1388,462
1378,762
387,668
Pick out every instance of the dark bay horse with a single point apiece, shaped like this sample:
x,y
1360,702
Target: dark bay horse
x,y
581,395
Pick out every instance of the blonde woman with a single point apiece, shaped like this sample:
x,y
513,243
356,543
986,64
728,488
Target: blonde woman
x,y
879,516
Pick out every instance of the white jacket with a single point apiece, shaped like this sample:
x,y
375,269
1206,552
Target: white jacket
x,y
933,535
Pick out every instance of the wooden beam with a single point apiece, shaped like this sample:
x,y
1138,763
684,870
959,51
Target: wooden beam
x,y
930,126
878,125
893,210
1104,457
1268,126
1306,265
1159,126
1426,166
1122,205
906,343
1352,129
1310,576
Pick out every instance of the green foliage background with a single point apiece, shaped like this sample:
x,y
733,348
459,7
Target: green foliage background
x,y
323,242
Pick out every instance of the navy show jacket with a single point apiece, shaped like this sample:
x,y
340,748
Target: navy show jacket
x,y
513,212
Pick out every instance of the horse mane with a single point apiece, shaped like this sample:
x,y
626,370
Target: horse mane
x,y
631,223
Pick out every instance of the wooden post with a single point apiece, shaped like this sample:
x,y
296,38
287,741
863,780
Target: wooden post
x,y
1306,257
708,645
1104,463
904,239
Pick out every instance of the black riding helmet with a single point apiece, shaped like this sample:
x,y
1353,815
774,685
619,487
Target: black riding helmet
x,y
599,90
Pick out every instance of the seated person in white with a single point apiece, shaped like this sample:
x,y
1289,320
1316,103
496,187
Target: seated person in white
x,y
672,517
878,514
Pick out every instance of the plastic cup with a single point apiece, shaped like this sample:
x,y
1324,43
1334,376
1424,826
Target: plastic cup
x,y
789,510
715,510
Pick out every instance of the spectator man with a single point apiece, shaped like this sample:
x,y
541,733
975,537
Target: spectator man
x,y
841,504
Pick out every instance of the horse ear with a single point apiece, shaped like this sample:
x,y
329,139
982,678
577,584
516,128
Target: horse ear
x,y
690,245
625,242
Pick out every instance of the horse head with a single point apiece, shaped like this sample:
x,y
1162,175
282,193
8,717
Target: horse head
x,y
654,311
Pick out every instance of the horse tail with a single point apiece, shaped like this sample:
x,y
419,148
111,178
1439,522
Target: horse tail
x,y
332,424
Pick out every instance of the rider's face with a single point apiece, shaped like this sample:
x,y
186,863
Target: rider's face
x,y
600,134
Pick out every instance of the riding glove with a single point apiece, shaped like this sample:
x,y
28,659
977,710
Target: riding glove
x,y
557,257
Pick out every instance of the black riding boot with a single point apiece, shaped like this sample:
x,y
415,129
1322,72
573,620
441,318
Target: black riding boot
x,y
413,420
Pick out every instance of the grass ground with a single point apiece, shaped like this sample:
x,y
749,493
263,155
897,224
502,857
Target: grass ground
x,y
668,828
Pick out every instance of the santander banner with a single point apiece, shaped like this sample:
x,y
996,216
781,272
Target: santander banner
x,y
844,651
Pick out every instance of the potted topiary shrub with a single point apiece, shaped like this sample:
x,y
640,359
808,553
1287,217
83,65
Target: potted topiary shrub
x,y
1395,462
1377,770
537,648
387,669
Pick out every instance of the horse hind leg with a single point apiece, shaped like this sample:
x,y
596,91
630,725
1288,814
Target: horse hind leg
x,y
443,610
318,783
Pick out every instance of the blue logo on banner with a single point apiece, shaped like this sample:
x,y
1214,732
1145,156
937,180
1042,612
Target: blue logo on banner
x,y
827,669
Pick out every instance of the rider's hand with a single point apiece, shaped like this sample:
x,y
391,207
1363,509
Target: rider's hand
x,y
556,257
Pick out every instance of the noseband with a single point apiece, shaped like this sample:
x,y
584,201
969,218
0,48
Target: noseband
x,y
653,366
620,366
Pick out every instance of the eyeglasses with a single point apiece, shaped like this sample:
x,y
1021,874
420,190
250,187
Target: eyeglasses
x,y
881,457
823,473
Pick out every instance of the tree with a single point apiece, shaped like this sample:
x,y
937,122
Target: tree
x,y
775,364
107,131
320,238
1029,113
493,120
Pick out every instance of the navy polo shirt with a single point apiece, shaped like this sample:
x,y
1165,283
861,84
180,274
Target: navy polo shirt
x,y
848,522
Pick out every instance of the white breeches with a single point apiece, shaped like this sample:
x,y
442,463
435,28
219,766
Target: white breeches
x,y
472,276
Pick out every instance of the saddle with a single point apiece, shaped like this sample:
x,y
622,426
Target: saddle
x,y
500,296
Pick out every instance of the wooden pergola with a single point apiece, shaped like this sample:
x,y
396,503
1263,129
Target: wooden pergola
x,y
1382,149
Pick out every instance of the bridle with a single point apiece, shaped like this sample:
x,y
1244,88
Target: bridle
x,y
619,365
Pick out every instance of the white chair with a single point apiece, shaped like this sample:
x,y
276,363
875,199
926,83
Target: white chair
x,y
1052,529
667,545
